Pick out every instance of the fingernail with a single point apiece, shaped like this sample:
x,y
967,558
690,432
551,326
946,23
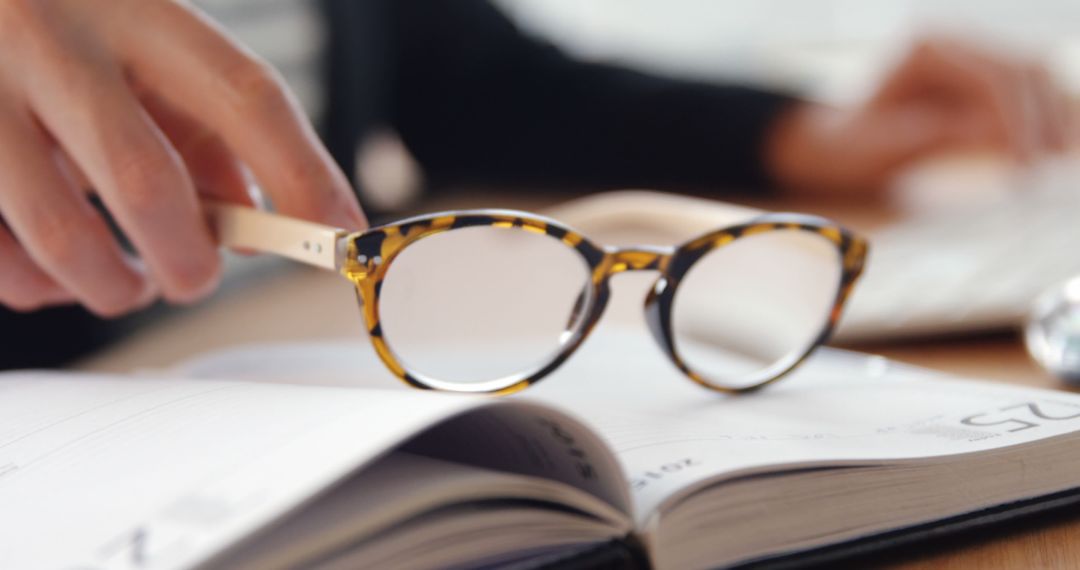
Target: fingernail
x,y
148,294
349,216
207,279
137,300
58,297
358,220
192,276
148,291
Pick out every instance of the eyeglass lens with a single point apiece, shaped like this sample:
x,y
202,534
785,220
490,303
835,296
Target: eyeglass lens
x,y
481,303
746,311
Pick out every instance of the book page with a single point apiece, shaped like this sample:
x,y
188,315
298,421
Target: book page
x,y
840,408
435,508
100,471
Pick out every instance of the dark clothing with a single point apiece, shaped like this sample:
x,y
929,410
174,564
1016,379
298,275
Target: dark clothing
x,y
480,104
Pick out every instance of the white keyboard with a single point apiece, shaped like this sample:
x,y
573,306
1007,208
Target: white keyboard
x,y
972,268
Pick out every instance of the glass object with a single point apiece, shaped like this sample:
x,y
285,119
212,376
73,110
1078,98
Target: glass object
x,y
492,301
1052,333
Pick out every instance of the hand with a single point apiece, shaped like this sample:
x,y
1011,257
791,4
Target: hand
x,y
944,95
151,105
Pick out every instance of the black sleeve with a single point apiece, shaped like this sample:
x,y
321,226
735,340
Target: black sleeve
x,y
480,103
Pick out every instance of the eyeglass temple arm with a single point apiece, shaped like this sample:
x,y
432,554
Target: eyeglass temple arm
x,y
248,228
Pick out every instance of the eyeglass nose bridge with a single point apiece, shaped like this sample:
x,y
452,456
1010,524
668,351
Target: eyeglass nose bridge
x,y
636,258
657,302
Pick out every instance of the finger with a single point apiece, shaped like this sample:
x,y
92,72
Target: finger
x,y
217,82
1050,107
69,169
213,168
89,108
1017,103
216,172
23,285
60,231
999,93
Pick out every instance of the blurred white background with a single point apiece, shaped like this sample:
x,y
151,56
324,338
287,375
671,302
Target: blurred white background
x,y
831,49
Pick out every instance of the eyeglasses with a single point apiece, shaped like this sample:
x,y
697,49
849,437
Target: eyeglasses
x,y
492,301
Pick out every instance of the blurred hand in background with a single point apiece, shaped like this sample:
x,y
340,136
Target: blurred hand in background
x,y
944,95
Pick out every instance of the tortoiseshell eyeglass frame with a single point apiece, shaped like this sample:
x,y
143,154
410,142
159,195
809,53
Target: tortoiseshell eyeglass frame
x,y
365,257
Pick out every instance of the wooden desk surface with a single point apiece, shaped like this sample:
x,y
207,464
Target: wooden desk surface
x,y
282,302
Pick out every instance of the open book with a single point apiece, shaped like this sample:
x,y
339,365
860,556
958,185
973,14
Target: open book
x,y
311,456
